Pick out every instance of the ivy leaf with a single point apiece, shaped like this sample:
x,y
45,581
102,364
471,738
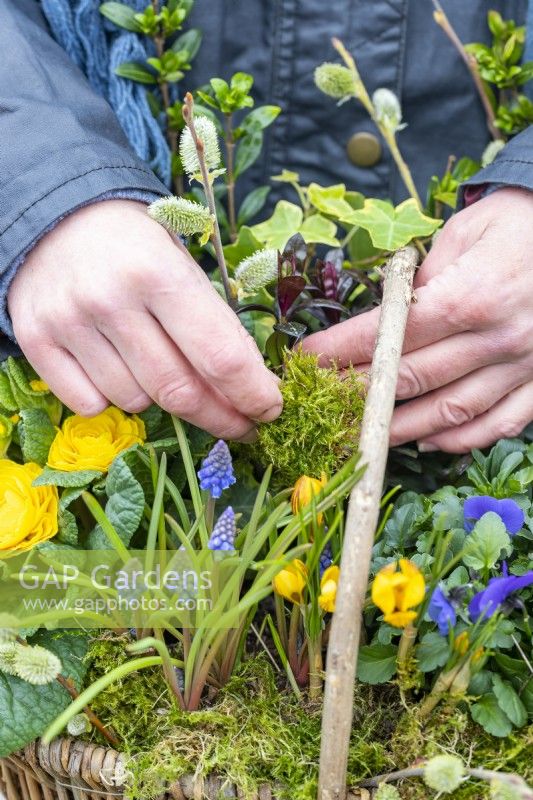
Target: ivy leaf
x,y
317,229
509,701
284,223
124,507
487,713
484,545
56,477
376,663
121,15
245,245
135,72
330,200
391,228
27,710
432,652
36,433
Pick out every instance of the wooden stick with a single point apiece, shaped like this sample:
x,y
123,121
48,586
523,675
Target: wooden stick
x,y
361,522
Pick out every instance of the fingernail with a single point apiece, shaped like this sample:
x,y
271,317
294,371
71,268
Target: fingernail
x,y
249,437
271,413
427,447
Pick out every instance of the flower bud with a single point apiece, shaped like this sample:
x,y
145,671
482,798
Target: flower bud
x,y
510,787
8,654
182,216
78,725
335,80
444,773
491,151
386,791
207,134
388,110
36,665
328,589
257,270
290,582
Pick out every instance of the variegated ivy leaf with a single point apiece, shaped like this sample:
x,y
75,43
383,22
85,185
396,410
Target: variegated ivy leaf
x,y
391,228
287,220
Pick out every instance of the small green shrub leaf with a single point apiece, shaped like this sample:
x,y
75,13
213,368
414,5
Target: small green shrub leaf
x,y
376,663
121,15
487,713
509,701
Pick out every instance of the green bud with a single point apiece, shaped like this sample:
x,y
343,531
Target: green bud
x,y
444,773
78,725
182,216
8,654
335,80
36,665
491,151
207,134
386,791
388,110
257,270
510,787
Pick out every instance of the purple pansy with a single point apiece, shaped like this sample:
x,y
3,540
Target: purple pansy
x,y
216,472
223,535
441,611
488,601
510,512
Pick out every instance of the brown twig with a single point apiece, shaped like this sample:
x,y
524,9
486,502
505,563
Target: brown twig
x,y
230,153
361,522
188,116
67,684
509,778
442,20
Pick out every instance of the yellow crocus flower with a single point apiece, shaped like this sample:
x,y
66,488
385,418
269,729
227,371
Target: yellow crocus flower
x,y
328,588
397,593
303,492
290,582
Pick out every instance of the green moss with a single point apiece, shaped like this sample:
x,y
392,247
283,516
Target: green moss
x,y
319,427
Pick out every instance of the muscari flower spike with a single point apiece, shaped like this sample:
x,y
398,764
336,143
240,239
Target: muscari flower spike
x,y
258,270
181,216
335,80
326,557
37,665
489,600
207,134
442,611
444,773
216,473
223,535
510,512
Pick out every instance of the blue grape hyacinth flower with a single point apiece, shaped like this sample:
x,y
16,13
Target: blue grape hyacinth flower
x,y
442,611
216,472
489,600
223,535
326,559
510,512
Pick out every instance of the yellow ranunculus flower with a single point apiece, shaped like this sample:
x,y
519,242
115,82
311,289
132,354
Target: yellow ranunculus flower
x,y
328,588
303,492
291,581
397,593
94,442
28,514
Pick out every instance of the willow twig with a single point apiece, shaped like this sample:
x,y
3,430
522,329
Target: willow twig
x,y
361,522
510,778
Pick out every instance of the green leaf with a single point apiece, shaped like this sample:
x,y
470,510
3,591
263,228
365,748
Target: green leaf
x,y
189,42
121,15
330,200
487,713
124,508
36,435
391,228
246,244
484,545
509,701
432,652
248,151
56,477
284,223
260,118
27,710
317,228
376,663
135,72
252,204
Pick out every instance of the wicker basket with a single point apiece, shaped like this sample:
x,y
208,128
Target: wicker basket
x,y
69,769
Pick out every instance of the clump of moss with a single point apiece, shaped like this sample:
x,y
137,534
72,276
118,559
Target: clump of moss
x,y
320,423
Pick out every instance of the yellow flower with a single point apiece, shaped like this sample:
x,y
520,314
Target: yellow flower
x,y
462,643
6,432
396,593
93,443
303,492
28,514
328,588
290,582
15,419
39,386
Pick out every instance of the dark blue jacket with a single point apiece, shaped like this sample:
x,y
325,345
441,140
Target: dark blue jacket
x,y
62,147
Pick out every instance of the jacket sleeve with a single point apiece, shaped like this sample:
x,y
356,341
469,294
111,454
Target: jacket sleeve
x,y
513,166
61,146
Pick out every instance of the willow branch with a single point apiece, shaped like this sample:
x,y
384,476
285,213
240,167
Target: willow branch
x,y
509,778
361,523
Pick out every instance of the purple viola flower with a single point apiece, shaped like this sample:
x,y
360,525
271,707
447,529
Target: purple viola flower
x,y
441,611
510,512
488,601
216,472
223,535
326,559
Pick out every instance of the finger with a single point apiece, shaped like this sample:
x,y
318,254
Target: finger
x,y
168,378
65,377
108,372
443,362
212,338
455,404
